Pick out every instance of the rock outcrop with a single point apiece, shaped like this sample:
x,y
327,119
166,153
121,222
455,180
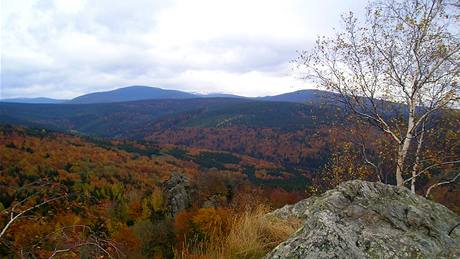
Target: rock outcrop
x,y
177,191
361,219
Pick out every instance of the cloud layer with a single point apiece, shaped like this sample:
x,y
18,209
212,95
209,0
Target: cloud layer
x,y
64,48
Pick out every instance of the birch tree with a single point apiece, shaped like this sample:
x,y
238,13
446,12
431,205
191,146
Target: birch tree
x,y
402,61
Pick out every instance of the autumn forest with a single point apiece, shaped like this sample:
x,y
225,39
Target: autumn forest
x,y
359,158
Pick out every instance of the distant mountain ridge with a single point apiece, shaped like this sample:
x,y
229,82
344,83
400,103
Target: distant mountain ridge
x,y
302,96
43,100
220,95
138,93
131,93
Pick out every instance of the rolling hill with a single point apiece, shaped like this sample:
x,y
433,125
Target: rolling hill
x,y
113,188
137,93
139,118
33,100
131,93
310,96
278,131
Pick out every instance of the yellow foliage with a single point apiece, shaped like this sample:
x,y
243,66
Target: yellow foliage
x,y
153,203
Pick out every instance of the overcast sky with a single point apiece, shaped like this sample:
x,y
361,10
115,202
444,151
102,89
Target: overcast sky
x,y
65,48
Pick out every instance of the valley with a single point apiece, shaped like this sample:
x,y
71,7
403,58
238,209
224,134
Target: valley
x,y
119,166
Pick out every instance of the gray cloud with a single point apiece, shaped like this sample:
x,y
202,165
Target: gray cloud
x,y
66,48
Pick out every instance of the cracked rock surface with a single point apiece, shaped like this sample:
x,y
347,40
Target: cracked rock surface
x,y
177,190
361,219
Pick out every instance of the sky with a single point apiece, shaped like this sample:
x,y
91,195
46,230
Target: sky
x,y
65,48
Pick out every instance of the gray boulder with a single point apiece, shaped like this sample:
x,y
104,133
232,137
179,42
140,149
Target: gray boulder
x,y
362,219
177,191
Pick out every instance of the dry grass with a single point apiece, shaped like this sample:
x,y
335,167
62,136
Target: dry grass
x,y
252,235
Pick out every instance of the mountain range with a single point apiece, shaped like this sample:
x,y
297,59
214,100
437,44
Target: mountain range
x,y
34,100
137,93
271,127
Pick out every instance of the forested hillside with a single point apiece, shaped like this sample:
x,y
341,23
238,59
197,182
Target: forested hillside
x,y
116,193
137,119
94,191
230,129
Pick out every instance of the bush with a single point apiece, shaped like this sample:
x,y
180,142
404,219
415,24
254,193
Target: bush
x,y
157,240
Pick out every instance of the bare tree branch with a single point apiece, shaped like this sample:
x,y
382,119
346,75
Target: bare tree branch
x,y
426,169
428,191
13,216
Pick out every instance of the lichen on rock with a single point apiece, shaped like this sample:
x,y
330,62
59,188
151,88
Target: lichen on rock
x,y
177,191
361,219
